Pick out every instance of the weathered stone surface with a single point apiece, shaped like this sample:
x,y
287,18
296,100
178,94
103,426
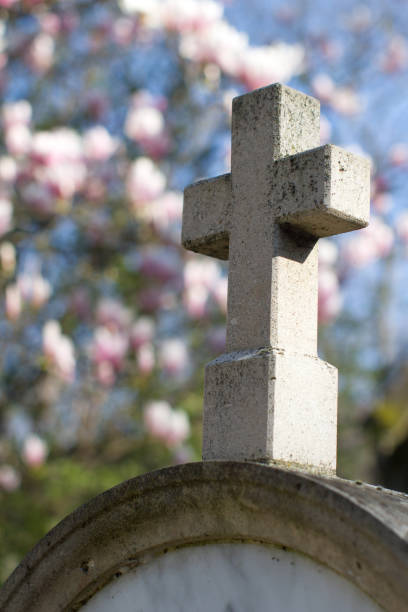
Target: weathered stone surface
x,y
283,193
287,431
322,192
354,529
268,124
207,216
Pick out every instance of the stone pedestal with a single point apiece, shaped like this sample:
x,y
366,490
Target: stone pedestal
x,y
293,386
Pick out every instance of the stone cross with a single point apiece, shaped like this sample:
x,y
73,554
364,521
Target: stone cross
x,y
270,398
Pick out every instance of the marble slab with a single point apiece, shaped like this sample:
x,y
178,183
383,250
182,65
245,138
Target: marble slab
x,y
231,577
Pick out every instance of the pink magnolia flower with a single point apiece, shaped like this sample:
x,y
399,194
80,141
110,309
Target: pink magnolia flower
x,y
202,277
59,351
58,164
51,335
399,154
112,314
16,113
10,479
346,101
170,426
7,257
8,169
325,130
14,303
145,182
145,123
105,373
6,216
165,215
187,15
8,3
379,183
40,54
155,298
396,55
41,291
359,252
157,416
372,242
98,144
150,9
34,451
261,66
124,30
382,202
323,87
381,235
328,252
50,23
110,346
330,49
142,332
63,179
219,43
18,139
59,145
201,272
34,288
329,307
161,263
173,357
179,428
64,359
195,301
330,300
145,358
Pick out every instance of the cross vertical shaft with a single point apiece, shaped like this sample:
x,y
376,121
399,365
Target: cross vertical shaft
x,y
270,398
269,267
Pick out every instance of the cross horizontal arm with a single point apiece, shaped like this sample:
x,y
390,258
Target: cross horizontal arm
x,y
207,216
323,192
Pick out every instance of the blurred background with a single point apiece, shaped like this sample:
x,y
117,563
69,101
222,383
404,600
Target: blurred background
x,y
108,110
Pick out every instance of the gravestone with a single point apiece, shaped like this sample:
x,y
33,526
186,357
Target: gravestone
x,y
262,523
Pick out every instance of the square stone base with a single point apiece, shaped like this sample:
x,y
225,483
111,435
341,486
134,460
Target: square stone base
x,y
271,406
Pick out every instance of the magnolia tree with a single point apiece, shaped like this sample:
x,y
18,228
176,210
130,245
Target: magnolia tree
x,y
109,110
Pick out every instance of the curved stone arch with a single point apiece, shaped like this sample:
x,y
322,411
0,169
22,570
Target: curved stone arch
x,y
356,530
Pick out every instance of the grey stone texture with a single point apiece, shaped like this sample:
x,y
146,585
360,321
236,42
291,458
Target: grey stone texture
x,y
286,431
207,216
284,192
356,530
322,192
